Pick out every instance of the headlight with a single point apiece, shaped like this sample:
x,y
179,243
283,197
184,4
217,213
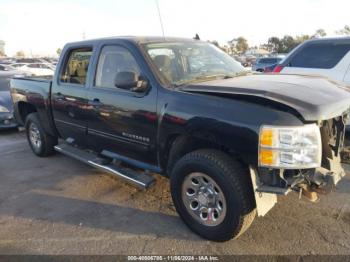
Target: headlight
x,y
290,147
4,109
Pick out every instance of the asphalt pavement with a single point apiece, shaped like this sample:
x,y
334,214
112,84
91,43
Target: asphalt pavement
x,y
58,205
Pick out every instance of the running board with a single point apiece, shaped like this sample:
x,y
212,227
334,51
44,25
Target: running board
x,y
141,180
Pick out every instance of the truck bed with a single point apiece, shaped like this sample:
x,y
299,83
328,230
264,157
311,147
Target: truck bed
x,y
34,91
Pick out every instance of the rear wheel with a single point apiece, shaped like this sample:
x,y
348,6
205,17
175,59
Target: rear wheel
x,y
213,194
41,143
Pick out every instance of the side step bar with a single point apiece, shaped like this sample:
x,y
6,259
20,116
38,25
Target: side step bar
x,y
141,180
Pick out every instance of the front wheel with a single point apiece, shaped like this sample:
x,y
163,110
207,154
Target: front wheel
x,y
41,143
213,194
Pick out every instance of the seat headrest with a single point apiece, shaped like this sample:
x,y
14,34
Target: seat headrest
x,y
162,61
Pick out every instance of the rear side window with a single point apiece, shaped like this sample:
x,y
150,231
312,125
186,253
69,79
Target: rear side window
x,y
323,56
76,66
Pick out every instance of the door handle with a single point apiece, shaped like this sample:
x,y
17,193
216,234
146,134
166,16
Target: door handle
x,y
95,102
59,96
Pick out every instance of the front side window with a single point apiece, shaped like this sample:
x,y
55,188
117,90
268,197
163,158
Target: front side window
x,y
323,56
76,67
114,60
184,62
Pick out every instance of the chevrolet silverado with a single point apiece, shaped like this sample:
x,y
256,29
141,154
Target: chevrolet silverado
x,y
230,141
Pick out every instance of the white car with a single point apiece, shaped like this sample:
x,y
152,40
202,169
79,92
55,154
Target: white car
x,y
37,69
17,65
329,57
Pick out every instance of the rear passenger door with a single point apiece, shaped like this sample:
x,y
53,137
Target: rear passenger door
x,y
69,95
122,121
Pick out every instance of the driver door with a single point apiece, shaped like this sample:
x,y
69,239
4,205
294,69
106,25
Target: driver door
x,y
121,121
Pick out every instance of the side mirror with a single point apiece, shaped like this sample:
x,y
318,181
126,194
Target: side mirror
x,y
130,81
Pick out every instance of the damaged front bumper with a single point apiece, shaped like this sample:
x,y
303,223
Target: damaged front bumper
x,y
312,182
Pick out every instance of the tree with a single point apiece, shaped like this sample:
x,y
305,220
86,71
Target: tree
x,y
20,54
287,43
59,51
319,33
273,44
242,44
302,38
344,31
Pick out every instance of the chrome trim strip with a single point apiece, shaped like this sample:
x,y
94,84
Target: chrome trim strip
x,y
115,172
72,124
116,137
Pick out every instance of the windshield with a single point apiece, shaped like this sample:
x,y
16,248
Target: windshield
x,y
186,62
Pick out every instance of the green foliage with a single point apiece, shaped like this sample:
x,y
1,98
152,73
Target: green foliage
x,y
319,33
20,54
59,51
242,44
285,44
344,31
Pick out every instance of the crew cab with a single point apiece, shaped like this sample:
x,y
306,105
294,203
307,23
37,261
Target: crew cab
x,y
230,141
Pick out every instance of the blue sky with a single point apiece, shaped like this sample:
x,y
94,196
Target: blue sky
x,y
40,27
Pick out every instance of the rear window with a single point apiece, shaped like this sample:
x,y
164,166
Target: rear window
x,y
323,56
76,66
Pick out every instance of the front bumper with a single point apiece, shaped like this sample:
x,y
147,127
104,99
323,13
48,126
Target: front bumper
x,y
7,121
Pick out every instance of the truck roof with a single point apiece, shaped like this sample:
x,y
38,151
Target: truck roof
x,y
135,39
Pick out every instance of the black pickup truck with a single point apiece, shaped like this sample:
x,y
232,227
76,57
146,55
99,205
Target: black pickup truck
x,y
230,141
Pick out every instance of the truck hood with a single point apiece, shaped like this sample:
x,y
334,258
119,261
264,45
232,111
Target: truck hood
x,y
315,98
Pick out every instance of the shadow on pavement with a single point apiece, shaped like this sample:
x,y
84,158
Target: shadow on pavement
x,y
96,215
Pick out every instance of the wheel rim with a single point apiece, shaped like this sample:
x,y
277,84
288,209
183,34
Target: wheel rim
x,y
204,199
34,135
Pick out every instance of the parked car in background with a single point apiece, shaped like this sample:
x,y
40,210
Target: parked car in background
x,y
17,65
328,57
7,120
262,63
29,60
270,68
38,69
6,75
6,68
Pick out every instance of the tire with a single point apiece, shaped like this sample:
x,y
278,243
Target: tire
x,y
234,189
41,143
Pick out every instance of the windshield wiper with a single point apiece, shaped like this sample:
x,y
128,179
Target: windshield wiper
x,y
202,78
